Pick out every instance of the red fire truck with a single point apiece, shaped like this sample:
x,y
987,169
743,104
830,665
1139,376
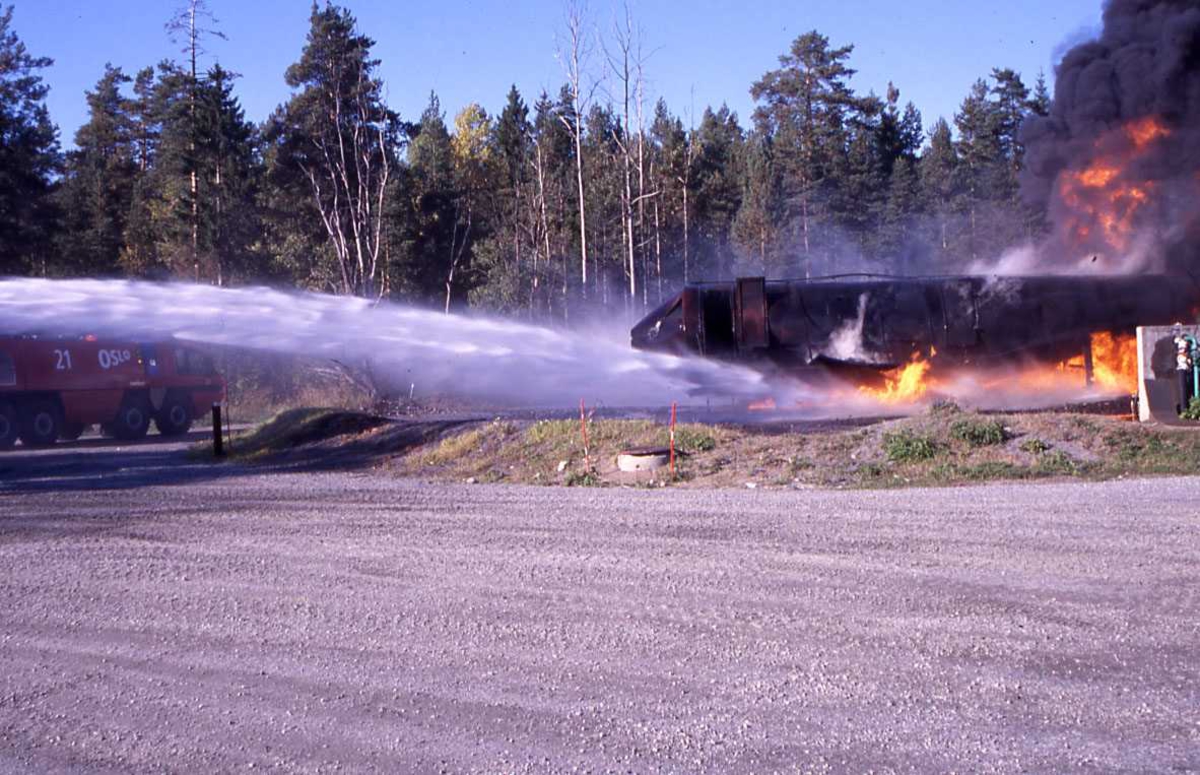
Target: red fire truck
x,y
53,388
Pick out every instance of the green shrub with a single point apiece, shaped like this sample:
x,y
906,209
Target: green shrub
x,y
978,432
908,447
1193,410
690,439
582,479
1034,446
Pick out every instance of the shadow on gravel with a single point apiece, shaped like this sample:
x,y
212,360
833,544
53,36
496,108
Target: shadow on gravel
x,y
100,466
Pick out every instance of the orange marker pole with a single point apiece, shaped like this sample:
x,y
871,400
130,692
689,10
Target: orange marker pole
x,y
672,439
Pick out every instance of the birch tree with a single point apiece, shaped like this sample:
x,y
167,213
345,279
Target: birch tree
x,y
575,60
471,152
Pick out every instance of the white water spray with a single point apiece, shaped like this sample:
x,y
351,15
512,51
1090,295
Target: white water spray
x,y
477,357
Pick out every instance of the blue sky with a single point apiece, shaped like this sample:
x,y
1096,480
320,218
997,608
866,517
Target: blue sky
x,y
703,52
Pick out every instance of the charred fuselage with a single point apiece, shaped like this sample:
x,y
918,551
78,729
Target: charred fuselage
x,y
875,323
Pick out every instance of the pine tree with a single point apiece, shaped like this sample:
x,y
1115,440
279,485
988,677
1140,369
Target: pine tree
x,y
553,178
166,196
673,161
1039,102
603,140
941,189
29,156
187,26
170,192
1011,99
857,194
984,166
145,125
423,267
97,190
227,163
175,148
755,228
897,242
140,253
804,106
888,141
901,244
718,190
508,259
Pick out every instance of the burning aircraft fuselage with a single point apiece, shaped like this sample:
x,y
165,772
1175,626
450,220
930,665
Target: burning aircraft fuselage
x,y
856,325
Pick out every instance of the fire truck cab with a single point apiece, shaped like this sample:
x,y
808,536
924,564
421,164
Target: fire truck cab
x,y
54,388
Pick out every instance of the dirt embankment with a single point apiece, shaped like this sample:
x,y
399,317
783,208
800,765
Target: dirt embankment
x,y
944,446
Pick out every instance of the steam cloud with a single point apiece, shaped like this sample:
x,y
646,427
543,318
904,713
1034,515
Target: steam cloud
x,y
1144,67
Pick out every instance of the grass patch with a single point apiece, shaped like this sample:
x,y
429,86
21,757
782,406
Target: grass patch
x,y
457,447
694,438
989,470
293,428
553,432
935,449
907,446
1128,446
1056,463
870,471
978,432
569,433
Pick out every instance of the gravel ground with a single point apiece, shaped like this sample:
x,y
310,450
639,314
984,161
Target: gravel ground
x,y
350,621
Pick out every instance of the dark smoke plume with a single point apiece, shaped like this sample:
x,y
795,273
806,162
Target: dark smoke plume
x,y
1120,150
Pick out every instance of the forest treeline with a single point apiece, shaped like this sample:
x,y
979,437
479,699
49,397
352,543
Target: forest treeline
x,y
591,197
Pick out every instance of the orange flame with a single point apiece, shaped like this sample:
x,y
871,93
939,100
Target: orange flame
x,y
1114,369
902,385
1144,131
1115,361
1102,200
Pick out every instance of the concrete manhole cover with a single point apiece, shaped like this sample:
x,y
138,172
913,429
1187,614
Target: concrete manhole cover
x,y
643,459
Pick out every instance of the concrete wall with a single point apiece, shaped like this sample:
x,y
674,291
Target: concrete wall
x,y
1158,381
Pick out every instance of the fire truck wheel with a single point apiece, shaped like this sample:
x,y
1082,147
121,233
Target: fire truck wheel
x,y
39,424
175,417
8,426
71,431
133,419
